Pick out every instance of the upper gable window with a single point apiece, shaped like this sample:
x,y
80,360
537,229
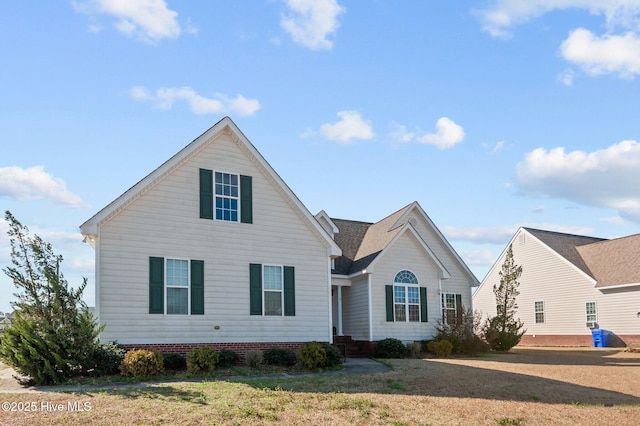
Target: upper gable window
x,y
227,191
226,196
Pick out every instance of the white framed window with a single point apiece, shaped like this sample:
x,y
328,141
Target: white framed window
x,y
227,194
273,300
177,278
538,308
591,311
406,297
451,307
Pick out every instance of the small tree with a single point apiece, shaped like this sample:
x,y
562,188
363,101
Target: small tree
x,y
504,331
53,335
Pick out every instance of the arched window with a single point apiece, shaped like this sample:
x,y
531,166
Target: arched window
x,y
406,297
405,277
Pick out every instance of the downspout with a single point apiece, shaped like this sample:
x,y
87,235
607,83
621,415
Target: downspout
x,y
330,298
339,331
370,305
440,295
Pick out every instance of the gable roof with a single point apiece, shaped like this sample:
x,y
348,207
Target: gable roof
x,y
90,228
614,262
363,242
566,246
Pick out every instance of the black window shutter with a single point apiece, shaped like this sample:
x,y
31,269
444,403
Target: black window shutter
x,y
459,307
289,291
246,199
423,305
206,194
156,285
255,289
197,287
388,292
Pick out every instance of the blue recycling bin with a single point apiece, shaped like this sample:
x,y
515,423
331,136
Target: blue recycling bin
x,y
600,338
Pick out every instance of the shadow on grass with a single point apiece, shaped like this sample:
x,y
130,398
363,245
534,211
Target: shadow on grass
x,y
439,379
164,392
568,356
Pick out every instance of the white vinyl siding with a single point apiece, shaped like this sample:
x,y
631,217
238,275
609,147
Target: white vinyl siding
x,y
147,227
406,253
355,309
565,289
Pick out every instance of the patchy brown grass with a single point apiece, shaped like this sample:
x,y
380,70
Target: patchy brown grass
x,y
524,387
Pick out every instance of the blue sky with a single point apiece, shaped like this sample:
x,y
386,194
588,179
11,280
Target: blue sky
x,y
491,114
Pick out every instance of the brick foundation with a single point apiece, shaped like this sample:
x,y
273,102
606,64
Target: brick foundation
x,y
615,341
240,348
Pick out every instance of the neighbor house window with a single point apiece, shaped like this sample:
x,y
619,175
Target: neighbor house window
x,y
592,312
539,311
227,195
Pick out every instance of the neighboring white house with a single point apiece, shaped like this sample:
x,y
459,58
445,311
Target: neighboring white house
x,y
214,248
570,285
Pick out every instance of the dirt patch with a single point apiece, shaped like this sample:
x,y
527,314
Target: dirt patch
x,y
8,381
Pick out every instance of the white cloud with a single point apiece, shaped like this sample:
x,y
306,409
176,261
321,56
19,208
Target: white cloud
x,y
448,134
400,134
503,15
501,234
616,220
480,257
164,98
311,22
34,183
147,20
604,178
350,126
566,77
602,55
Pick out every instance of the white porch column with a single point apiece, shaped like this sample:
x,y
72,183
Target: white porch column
x,y
340,311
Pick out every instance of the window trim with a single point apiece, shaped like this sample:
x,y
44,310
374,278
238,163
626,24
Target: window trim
x,y
536,305
167,286
236,198
457,308
265,290
405,286
595,311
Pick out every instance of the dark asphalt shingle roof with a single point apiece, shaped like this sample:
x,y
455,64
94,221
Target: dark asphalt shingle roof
x,y
361,242
566,245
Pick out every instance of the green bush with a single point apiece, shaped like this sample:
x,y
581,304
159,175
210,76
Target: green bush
x,y
441,348
53,336
105,359
202,360
312,355
173,361
254,359
463,333
227,358
334,356
390,348
141,362
279,356
501,336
